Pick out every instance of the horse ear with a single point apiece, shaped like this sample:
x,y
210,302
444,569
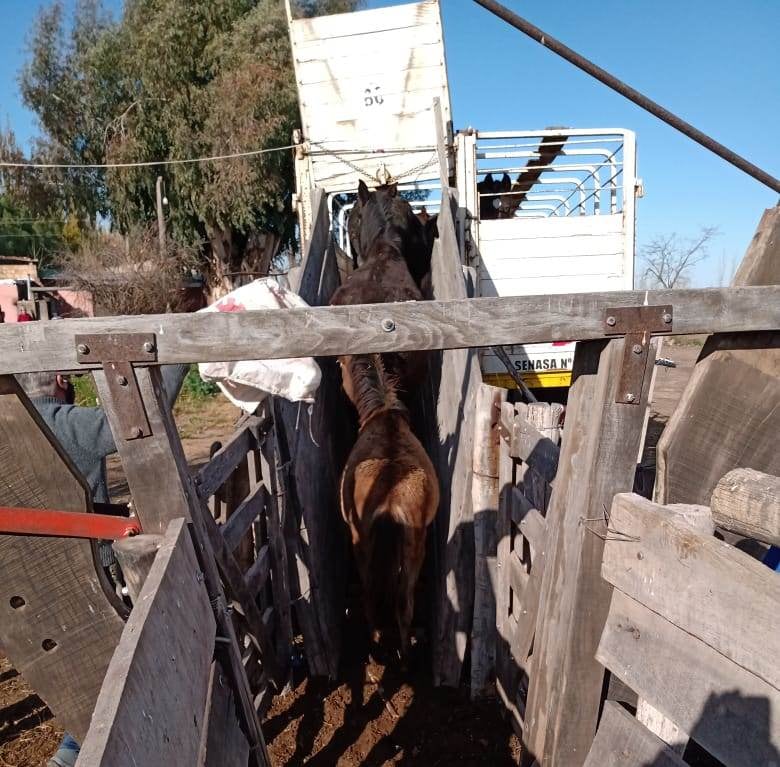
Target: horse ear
x,y
363,193
392,189
506,182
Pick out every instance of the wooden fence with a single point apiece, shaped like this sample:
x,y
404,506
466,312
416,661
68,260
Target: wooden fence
x,y
691,628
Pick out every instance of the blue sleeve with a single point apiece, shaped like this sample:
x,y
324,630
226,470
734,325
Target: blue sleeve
x,y
87,426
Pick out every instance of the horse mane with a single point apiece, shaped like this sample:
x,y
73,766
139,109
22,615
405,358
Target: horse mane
x,y
374,388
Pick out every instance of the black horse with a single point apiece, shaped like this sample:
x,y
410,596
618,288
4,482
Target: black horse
x,y
383,214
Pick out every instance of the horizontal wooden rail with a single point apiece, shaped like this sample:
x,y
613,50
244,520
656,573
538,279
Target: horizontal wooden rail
x,y
324,331
240,520
223,463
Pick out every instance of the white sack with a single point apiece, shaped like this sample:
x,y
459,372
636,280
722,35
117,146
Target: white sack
x,y
246,384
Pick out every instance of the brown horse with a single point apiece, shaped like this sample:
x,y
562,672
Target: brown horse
x,y
389,496
383,277
498,199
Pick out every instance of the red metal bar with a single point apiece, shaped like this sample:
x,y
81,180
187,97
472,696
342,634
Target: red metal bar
x,y
65,524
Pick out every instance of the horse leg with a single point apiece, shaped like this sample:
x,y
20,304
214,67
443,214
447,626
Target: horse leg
x,y
414,552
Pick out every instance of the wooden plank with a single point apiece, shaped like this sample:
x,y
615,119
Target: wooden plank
x,y
507,670
598,459
277,514
225,744
726,709
535,448
62,596
702,585
748,502
160,671
533,526
162,489
257,575
518,576
223,463
622,741
761,263
311,442
450,324
736,385
455,406
241,519
484,495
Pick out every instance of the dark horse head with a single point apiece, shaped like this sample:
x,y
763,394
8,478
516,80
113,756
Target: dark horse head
x,y
382,214
497,199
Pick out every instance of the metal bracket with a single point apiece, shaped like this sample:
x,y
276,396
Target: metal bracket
x,y
117,352
638,324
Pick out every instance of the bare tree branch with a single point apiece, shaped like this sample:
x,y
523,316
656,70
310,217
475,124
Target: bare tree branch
x,y
669,258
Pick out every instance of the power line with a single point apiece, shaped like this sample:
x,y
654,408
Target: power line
x,y
147,164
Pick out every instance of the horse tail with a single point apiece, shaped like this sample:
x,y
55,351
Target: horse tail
x,y
386,541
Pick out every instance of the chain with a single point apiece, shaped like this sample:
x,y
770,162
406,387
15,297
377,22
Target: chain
x,y
360,171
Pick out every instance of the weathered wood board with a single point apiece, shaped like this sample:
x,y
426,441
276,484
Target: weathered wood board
x,y
446,324
622,741
748,502
702,585
159,673
50,593
598,458
729,414
724,707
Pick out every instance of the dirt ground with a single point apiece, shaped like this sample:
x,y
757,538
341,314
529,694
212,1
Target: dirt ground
x,y
372,715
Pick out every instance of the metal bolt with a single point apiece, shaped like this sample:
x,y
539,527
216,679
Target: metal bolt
x,y
611,321
640,555
666,317
82,349
121,380
136,432
630,397
388,325
148,347
636,348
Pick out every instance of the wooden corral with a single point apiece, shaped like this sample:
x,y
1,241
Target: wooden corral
x,y
258,526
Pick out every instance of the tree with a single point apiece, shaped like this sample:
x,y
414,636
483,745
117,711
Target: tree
x,y
175,79
669,258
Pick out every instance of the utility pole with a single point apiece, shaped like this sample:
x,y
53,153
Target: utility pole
x,y
160,216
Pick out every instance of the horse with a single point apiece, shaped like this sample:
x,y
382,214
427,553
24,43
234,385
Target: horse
x,y
389,495
384,277
498,199
381,210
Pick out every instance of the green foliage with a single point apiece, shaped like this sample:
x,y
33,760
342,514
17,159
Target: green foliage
x,y
173,79
23,234
86,394
195,388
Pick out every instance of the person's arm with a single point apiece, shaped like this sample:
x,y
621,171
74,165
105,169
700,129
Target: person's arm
x,y
87,427
172,377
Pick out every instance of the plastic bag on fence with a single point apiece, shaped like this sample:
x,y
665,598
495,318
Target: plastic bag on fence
x,y
246,384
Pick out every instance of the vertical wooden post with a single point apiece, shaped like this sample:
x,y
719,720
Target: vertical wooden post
x,y
484,496
598,459
162,490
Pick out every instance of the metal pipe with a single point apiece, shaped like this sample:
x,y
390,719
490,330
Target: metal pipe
x,y
65,524
630,93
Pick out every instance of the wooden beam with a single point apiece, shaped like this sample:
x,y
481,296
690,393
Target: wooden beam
x,y
223,463
622,741
534,448
151,706
257,575
598,458
241,519
163,489
484,497
724,707
747,502
440,324
707,588
225,744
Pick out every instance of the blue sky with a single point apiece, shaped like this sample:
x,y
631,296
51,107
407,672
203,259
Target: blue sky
x,y
714,62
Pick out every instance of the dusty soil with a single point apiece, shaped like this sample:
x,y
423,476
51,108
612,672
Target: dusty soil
x,y
372,715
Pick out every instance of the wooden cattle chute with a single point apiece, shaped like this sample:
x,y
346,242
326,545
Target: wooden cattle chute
x,y
596,459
